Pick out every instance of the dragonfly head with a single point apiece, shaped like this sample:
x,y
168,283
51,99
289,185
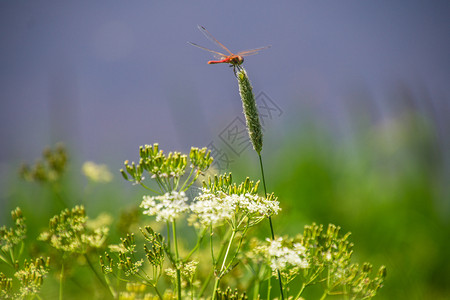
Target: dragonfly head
x,y
236,60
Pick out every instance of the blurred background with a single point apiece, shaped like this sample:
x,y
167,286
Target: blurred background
x,y
357,134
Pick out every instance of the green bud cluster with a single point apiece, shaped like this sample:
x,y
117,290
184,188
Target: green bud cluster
x,y
129,265
129,243
330,251
328,256
6,285
10,237
68,232
329,242
49,168
155,251
127,261
31,276
200,158
106,264
224,183
155,162
228,294
167,169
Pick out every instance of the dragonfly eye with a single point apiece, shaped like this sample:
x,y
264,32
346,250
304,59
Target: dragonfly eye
x,y
238,60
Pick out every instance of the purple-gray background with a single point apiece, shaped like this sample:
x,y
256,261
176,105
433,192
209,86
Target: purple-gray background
x,y
108,76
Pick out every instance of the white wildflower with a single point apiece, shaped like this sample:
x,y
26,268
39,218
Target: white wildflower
x,y
167,207
328,256
282,257
189,270
172,273
213,208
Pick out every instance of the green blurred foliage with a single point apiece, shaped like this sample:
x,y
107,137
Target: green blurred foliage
x,y
385,184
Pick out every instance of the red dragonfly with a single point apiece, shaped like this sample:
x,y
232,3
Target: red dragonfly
x,y
235,60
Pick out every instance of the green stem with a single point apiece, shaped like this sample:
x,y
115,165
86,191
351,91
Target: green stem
x,y
110,287
216,286
222,268
300,292
95,272
177,259
256,289
237,249
158,293
5,260
262,174
147,188
259,273
211,246
61,278
186,181
270,223
221,250
324,295
205,284
199,241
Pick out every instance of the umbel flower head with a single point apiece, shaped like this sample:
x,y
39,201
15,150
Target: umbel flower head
x,y
167,207
317,254
283,257
221,200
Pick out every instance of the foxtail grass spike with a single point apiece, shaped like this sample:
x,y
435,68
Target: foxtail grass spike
x,y
250,110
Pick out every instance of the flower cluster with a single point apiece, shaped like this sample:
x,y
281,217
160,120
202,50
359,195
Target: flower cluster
x,y
31,276
283,257
319,256
209,209
214,207
166,169
126,253
167,207
155,250
10,237
229,294
48,169
69,232
239,205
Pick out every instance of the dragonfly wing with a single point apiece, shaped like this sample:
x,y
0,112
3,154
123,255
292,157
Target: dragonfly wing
x,y
217,55
213,39
252,51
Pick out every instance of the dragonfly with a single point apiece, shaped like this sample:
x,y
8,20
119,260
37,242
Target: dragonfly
x,y
235,60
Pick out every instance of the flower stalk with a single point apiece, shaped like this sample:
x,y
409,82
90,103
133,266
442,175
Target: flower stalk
x,y
255,133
